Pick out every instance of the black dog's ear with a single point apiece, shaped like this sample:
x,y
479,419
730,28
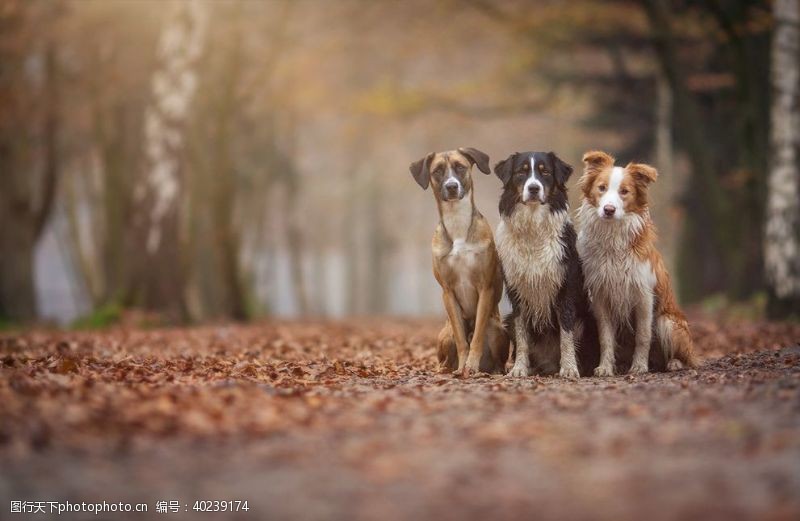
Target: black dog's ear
x,y
562,169
503,168
478,158
421,171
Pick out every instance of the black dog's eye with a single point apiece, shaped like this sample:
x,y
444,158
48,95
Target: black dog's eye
x,y
525,167
602,188
544,172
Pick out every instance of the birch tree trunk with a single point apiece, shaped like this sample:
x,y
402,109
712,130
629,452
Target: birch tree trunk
x,y
29,150
159,275
782,232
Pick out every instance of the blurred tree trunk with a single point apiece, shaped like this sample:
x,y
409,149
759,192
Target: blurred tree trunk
x,y
29,180
706,236
665,213
226,237
294,239
378,249
782,231
159,271
746,50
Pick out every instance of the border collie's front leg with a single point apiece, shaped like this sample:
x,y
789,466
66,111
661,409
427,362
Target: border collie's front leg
x,y
522,362
606,332
644,332
459,331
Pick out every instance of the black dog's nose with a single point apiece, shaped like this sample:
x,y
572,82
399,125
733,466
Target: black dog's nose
x,y
534,189
609,210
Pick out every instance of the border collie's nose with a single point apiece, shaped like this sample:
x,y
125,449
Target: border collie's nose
x,y
609,210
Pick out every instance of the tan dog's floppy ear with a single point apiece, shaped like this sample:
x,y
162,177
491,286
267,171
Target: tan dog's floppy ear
x,y
503,168
421,171
562,169
478,158
642,173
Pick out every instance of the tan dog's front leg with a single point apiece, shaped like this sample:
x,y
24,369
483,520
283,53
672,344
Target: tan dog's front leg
x,y
644,333
457,323
522,362
606,333
482,315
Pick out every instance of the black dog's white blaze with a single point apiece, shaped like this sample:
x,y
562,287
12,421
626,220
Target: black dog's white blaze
x,y
541,267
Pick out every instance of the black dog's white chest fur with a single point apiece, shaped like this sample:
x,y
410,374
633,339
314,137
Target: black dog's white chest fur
x,y
530,243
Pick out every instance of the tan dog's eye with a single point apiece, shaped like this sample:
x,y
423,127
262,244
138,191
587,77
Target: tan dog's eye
x,y
602,188
439,169
624,191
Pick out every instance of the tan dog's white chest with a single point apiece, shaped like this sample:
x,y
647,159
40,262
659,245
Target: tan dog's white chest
x,y
462,264
531,252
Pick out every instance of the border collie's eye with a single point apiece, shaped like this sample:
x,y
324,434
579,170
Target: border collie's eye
x,y
602,188
624,191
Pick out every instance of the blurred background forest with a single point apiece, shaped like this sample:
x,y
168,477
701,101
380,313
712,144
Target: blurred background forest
x,y
216,160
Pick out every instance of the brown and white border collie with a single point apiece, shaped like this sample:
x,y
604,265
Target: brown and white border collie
x,y
628,286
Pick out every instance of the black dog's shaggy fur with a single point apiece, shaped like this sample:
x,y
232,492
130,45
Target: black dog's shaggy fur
x,y
541,266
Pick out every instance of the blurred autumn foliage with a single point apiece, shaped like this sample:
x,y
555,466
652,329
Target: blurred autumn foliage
x,y
203,160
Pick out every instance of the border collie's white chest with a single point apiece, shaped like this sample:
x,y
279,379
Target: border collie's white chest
x,y
531,250
612,272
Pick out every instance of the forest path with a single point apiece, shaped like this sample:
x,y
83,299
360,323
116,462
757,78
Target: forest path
x,y
350,421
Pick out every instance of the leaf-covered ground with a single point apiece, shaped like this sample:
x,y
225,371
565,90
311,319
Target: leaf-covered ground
x,y
351,421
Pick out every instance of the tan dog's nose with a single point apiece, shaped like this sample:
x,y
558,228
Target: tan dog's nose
x,y
609,210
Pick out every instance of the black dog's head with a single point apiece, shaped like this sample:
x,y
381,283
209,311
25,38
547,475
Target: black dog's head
x,y
533,178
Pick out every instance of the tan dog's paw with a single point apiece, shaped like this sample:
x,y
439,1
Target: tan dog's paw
x,y
604,370
638,368
570,373
674,365
471,367
518,371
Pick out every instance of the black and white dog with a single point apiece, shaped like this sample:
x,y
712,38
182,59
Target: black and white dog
x,y
541,267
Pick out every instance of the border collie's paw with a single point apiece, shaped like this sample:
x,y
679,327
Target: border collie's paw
x,y
519,370
638,368
570,373
674,365
604,370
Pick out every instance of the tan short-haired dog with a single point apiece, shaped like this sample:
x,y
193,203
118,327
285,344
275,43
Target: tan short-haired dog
x,y
466,264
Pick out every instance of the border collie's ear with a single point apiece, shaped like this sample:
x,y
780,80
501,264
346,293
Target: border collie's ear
x,y
597,160
503,168
642,173
420,169
562,169
478,158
